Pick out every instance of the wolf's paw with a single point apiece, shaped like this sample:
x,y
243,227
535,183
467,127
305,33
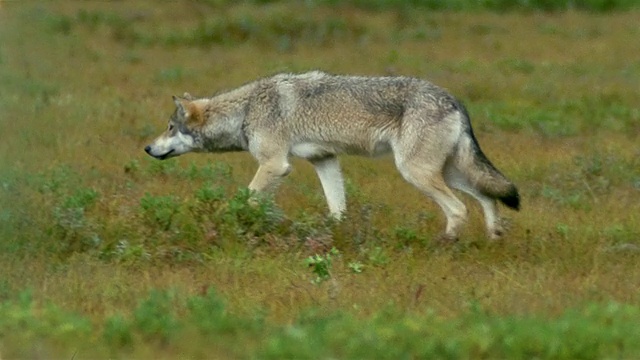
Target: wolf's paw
x,y
253,202
446,239
500,228
496,234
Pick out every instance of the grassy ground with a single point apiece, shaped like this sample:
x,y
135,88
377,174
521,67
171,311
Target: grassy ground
x,y
107,253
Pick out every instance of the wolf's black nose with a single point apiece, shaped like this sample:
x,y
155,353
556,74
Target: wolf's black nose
x,y
148,149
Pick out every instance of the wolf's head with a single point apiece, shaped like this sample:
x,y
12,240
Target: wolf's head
x,y
179,138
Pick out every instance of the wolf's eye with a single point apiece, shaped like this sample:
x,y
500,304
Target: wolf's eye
x,y
170,127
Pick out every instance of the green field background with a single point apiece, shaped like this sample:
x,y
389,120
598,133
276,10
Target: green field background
x,y
107,253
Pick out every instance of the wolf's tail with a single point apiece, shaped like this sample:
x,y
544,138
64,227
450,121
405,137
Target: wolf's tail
x,y
479,171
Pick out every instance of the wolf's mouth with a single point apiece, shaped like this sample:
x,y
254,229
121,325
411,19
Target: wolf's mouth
x,y
165,155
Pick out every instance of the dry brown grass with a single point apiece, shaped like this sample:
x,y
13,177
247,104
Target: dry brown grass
x,y
90,102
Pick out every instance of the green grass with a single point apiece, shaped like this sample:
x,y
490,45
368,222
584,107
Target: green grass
x,y
201,326
108,253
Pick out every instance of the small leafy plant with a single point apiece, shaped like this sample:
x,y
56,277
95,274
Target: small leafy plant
x,y
356,267
321,265
251,214
159,211
71,223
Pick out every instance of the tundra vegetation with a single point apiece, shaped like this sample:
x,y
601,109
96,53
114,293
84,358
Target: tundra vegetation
x,y
107,253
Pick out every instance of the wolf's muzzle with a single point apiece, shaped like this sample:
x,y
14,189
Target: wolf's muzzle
x,y
147,149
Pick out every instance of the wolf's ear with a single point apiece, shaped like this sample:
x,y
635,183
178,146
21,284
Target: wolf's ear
x,y
188,110
181,105
188,96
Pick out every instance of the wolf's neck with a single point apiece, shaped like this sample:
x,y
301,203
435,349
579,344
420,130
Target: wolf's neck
x,y
228,111
233,100
235,96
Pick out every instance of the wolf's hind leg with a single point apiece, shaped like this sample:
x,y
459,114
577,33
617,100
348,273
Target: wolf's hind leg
x,y
430,181
493,223
328,170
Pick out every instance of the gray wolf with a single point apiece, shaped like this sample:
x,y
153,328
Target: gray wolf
x,y
317,116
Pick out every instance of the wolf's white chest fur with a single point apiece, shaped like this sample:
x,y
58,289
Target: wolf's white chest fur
x,y
309,150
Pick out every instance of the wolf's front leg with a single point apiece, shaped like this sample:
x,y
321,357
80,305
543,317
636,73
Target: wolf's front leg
x,y
269,175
